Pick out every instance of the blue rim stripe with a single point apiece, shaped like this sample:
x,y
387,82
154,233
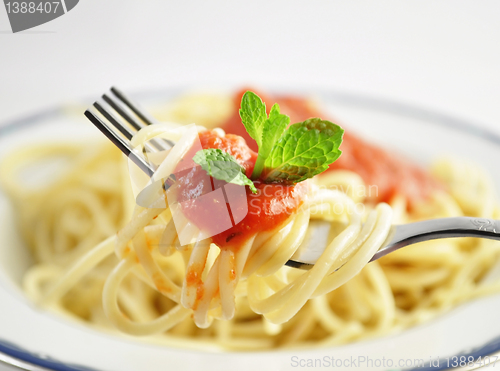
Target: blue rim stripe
x,y
38,359
485,350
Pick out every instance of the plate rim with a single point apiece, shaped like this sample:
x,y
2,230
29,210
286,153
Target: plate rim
x,y
22,359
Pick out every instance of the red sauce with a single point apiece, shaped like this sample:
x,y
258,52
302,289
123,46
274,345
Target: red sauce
x,y
267,209
193,278
298,109
391,173
160,283
192,275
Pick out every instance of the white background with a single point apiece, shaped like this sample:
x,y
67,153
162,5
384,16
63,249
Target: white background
x,y
442,55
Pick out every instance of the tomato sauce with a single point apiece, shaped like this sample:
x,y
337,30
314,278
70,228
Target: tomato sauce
x,y
265,210
391,173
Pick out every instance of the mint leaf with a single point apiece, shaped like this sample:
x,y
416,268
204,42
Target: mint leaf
x,y
253,115
273,128
221,165
305,150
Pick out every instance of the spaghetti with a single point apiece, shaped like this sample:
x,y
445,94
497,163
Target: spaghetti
x,y
142,281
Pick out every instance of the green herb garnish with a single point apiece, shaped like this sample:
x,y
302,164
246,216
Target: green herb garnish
x,y
285,155
265,130
221,165
305,150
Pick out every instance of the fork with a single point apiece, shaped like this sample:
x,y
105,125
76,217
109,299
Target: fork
x,y
124,119
120,118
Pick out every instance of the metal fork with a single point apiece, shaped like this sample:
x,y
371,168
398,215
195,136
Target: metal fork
x,y
400,236
122,118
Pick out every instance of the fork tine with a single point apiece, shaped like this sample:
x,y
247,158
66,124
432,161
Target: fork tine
x,y
118,141
113,120
124,129
121,103
119,124
137,125
134,107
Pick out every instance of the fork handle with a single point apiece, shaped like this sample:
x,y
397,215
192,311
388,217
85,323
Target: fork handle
x,y
407,234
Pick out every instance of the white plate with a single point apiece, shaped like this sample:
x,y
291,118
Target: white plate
x,y
33,336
